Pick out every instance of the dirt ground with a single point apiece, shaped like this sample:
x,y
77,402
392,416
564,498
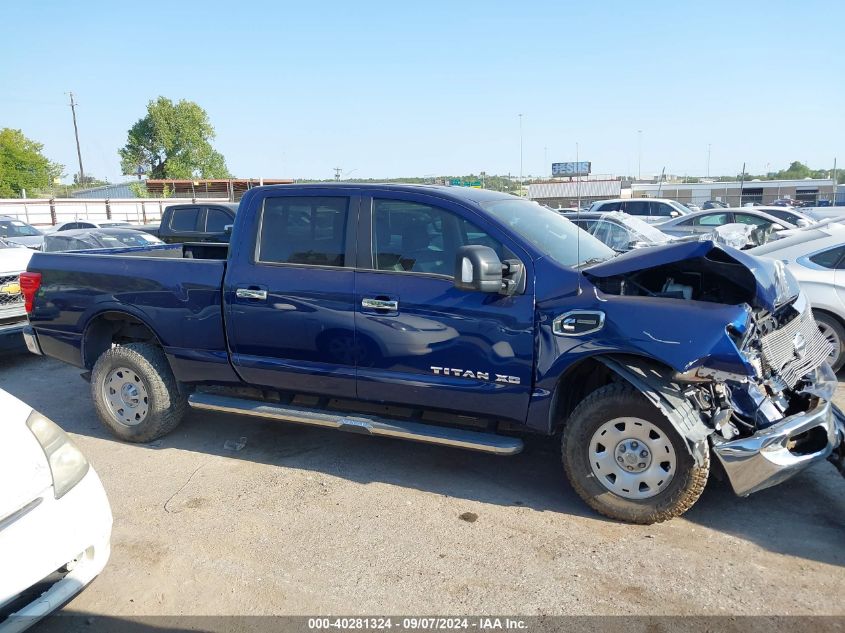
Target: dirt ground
x,y
309,521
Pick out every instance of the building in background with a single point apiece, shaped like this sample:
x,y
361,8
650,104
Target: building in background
x,y
810,191
229,188
561,194
118,190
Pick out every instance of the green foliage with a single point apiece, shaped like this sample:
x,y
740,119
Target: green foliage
x,y
796,171
22,165
173,141
139,189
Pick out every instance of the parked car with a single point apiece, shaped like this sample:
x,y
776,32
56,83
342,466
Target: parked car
x,y
19,232
704,222
204,222
787,202
88,224
504,316
816,256
14,259
620,231
87,239
714,204
649,209
692,206
787,214
55,519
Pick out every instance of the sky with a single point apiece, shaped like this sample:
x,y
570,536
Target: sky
x,y
393,89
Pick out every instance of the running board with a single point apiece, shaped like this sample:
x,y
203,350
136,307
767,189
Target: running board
x,y
402,429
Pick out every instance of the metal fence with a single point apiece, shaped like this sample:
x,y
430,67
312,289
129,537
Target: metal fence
x,y
39,212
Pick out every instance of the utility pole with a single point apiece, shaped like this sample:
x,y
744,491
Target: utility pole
x,y
577,177
833,203
741,184
76,134
337,172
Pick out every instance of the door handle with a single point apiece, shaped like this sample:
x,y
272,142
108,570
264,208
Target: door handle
x,y
380,304
251,293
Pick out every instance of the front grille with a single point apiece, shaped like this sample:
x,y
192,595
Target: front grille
x,y
10,292
795,349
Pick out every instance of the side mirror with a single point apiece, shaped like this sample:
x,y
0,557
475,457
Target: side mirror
x,y
802,223
674,214
228,229
777,227
478,268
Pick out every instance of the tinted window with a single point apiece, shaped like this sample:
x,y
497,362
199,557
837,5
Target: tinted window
x,y
607,206
636,207
709,219
184,219
661,209
217,220
303,230
411,237
829,258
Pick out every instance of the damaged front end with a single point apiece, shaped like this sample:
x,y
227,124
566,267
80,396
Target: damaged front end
x,y
761,385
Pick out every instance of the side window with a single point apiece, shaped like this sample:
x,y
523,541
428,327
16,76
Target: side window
x,y
303,230
184,219
636,207
711,219
216,220
661,209
830,258
69,226
85,225
612,234
608,206
745,218
413,237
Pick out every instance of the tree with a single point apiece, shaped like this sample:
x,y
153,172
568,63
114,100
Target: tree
x,y
173,141
23,166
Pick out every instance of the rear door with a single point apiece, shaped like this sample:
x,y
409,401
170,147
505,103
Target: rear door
x,y
289,292
421,342
184,225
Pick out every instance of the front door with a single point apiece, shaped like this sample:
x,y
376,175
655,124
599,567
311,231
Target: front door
x,y
289,294
421,342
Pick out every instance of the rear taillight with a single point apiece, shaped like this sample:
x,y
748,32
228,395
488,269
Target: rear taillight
x,y
30,283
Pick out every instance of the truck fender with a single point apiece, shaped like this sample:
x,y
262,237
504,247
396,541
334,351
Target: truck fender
x,y
654,384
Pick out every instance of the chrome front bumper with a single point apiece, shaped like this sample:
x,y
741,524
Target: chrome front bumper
x,y
780,451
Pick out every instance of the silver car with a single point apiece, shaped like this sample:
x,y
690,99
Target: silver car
x,y
816,256
705,222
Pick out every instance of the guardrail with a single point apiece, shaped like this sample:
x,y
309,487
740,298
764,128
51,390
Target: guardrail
x,y
42,212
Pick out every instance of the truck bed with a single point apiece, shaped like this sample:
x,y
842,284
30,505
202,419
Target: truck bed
x,y
174,290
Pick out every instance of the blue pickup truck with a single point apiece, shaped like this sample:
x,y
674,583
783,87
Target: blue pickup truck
x,y
460,317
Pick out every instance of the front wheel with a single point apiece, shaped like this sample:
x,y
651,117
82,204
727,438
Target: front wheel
x,y
833,331
135,393
626,460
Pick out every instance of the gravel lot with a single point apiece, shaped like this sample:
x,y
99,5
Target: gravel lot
x,y
306,521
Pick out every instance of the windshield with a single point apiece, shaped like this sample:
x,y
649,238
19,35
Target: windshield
x,y
16,228
549,231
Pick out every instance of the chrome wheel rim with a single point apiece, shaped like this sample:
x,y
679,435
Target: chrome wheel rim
x,y
126,396
833,338
632,458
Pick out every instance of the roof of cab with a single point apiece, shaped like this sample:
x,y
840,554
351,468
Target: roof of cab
x,y
462,194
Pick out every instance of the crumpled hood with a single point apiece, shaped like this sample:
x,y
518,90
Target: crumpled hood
x,y
768,275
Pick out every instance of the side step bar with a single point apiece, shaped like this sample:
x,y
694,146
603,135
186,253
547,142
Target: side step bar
x,y
402,429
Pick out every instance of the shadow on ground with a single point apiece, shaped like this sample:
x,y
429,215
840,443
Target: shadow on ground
x,y
803,517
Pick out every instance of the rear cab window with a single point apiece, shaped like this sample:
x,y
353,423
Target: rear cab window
x,y
304,230
185,219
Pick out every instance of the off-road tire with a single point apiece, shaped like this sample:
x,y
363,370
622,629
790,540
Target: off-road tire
x,y
166,404
623,400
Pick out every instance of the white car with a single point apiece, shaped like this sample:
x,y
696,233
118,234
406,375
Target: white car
x,y
14,259
89,224
55,519
816,255
648,209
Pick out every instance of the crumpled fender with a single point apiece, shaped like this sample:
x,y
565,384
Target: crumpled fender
x,y
653,382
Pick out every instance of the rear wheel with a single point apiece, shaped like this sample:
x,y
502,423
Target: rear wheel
x,y
626,460
135,393
835,335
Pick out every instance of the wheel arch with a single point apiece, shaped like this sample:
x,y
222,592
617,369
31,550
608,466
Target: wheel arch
x,y
649,376
111,326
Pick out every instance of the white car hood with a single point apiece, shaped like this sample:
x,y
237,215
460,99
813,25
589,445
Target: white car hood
x,y
23,466
30,241
14,260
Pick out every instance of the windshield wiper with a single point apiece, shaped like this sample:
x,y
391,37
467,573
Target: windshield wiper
x,y
592,260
